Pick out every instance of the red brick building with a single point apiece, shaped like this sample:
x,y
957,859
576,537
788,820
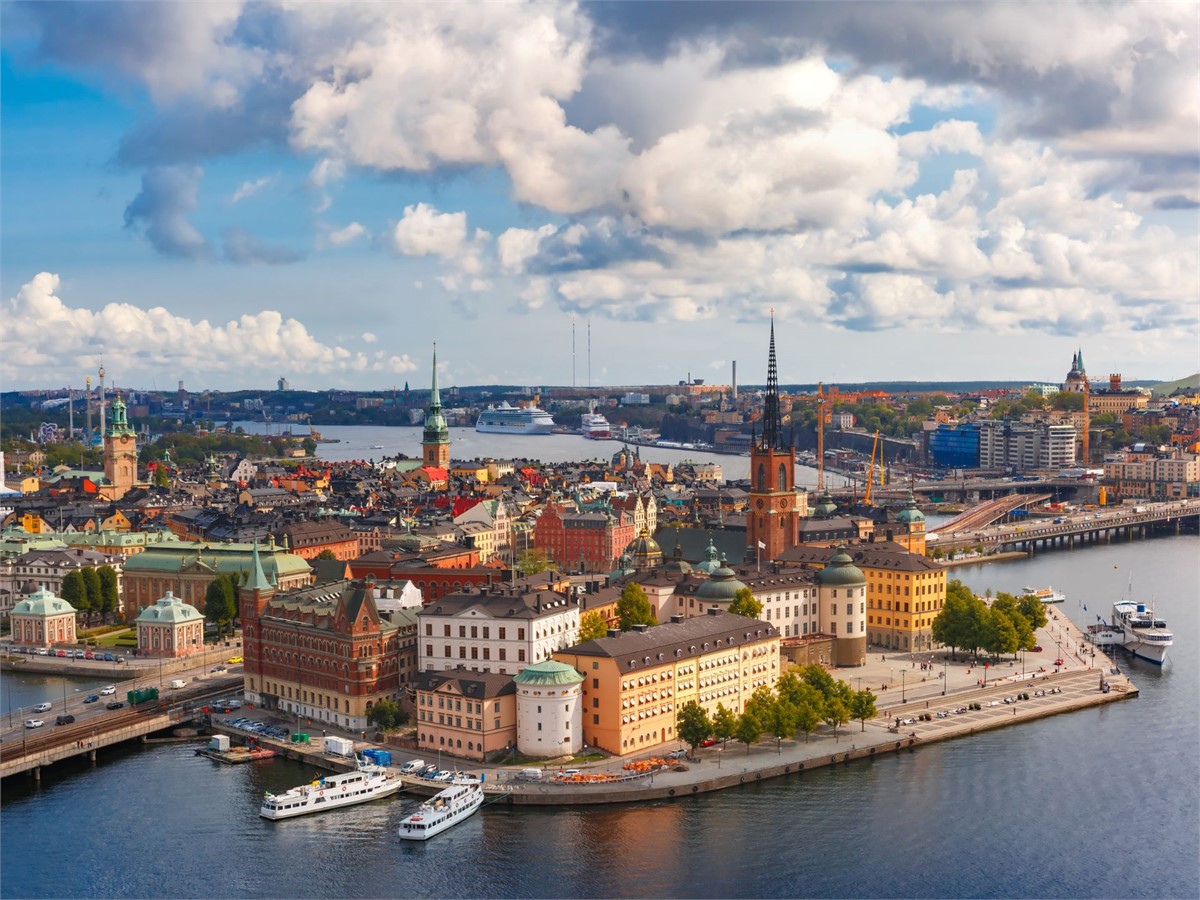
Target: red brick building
x,y
309,539
587,541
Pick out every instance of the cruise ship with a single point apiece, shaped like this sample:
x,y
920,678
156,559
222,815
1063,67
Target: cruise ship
x,y
595,426
505,419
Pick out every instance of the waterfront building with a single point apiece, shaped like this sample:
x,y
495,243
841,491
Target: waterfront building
x,y
466,714
955,446
170,629
587,541
1152,474
43,619
502,628
186,568
1026,445
635,681
549,710
325,653
776,507
435,441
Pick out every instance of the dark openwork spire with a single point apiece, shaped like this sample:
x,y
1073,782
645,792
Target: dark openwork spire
x,y
772,426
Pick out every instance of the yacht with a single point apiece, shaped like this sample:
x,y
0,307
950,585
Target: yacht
x,y
506,419
457,802
595,426
367,782
1142,634
1046,594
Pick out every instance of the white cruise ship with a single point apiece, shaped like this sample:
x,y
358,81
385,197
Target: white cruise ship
x,y
446,809
595,426
367,782
505,419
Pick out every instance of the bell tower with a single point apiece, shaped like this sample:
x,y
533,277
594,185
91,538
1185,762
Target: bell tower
x,y
773,516
435,442
120,454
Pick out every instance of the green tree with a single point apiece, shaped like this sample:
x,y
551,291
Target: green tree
x,y
748,730
533,561
783,722
386,713
110,595
999,633
91,581
810,710
692,724
1010,607
1068,401
162,478
820,679
74,591
761,705
862,707
592,626
836,714
220,602
744,604
951,626
1034,611
724,723
326,554
634,607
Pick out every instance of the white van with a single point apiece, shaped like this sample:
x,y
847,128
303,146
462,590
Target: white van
x,y
177,683
412,766
530,774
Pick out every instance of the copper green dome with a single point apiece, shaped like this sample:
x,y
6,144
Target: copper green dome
x,y
712,560
910,515
722,585
548,671
841,570
825,506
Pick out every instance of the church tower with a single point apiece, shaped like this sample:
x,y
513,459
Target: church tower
x,y
435,443
773,516
120,454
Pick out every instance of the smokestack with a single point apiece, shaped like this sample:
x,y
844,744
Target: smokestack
x,y
735,379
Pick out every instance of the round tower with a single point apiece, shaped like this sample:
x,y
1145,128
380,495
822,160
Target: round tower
x,y
843,598
549,710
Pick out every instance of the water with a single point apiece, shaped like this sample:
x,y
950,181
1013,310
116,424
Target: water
x,y
1098,803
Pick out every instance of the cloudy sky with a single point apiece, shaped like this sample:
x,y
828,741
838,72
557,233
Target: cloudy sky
x,y
229,192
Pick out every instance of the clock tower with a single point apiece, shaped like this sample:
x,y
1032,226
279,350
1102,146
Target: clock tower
x,y
773,516
120,454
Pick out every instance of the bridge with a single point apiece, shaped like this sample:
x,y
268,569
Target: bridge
x,y
28,750
989,512
1075,528
973,490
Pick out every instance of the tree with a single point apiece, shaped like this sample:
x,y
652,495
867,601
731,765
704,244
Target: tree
x,y
1010,607
999,633
220,603
807,701
748,730
820,679
744,604
74,591
326,554
836,714
1034,611
91,581
862,707
692,724
592,626
386,714
110,595
533,561
634,607
783,721
724,723
761,705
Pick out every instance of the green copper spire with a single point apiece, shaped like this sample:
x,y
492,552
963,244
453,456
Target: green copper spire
x,y
258,578
436,430
120,424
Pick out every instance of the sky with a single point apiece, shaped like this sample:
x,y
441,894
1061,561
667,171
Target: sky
x,y
226,193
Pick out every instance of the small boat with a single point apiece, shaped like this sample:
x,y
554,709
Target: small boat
x,y
377,446
367,782
1046,594
457,802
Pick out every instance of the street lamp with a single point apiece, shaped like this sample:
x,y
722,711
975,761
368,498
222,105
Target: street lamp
x,y
903,672
945,670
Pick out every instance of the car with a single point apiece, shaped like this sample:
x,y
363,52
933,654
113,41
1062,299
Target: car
x,y
217,669
444,775
42,651
89,654
1059,662
34,723
61,654
43,706
908,721
431,769
104,692
1037,649
115,704
708,742
65,720
108,657
91,698
233,660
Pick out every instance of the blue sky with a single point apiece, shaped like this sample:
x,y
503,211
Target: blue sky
x,y
225,192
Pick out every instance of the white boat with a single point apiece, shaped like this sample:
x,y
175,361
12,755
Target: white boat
x,y
1143,635
595,426
367,782
435,815
1046,594
505,419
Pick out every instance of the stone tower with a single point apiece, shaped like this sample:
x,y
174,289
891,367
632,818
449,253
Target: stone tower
x,y
773,516
435,443
120,454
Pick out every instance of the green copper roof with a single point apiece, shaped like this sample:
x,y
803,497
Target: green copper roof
x,y
119,424
841,571
910,514
258,578
436,430
169,609
548,671
42,603
722,584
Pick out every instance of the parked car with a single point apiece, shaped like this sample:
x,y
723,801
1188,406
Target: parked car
x,y
431,769
108,657
1059,662
115,704
104,692
444,775
233,660
91,698
1037,649
43,706
34,723
89,654
708,742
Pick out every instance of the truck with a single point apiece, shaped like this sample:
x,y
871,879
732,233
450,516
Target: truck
x,y
141,695
339,746
177,683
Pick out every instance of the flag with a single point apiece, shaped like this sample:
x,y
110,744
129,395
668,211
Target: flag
x,y
762,546
1085,607
1099,618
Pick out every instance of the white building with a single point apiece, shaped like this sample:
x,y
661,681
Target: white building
x,y
549,710
499,629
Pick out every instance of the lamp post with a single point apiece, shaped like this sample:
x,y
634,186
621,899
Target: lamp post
x,y
945,675
903,672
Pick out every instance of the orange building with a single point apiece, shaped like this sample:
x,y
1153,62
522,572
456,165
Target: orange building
x,y
467,714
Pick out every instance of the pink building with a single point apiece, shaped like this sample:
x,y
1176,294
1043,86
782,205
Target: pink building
x,y
170,628
43,619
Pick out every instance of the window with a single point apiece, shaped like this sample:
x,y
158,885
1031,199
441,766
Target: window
x,y
429,629
520,634
462,631
503,655
849,609
503,631
474,631
595,703
521,655
447,654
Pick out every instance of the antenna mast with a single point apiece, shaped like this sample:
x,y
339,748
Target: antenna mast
x,y
572,351
589,352
820,437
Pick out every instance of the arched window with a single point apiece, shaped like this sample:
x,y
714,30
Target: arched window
x,y
782,484
762,477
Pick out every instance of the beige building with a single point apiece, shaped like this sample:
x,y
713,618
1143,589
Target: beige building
x,y
1168,475
466,714
170,629
43,619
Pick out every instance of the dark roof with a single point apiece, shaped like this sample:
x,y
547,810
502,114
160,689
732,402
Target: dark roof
x,y
470,684
502,603
676,640
871,555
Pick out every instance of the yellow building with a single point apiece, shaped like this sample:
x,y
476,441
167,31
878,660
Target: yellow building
x,y
636,681
471,471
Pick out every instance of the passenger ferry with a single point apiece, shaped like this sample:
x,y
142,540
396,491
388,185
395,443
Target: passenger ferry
x,y
506,419
367,782
595,426
1046,594
1137,630
448,808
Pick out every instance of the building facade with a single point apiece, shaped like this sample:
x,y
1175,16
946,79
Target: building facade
x,y
466,714
170,629
43,619
586,541
549,710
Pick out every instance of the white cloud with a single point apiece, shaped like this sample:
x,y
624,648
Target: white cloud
x,y
369,338
339,237
250,188
423,230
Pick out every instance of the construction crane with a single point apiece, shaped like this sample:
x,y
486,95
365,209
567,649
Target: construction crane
x,y
876,450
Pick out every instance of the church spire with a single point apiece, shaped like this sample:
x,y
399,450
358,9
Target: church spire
x,y
772,425
435,442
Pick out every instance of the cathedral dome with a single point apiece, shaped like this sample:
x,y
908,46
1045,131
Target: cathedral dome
x,y
722,586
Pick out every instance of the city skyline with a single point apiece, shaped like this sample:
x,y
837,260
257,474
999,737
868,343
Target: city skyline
x,y
226,193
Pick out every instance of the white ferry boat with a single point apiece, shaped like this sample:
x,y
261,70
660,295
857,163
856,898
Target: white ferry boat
x,y
1046,594
595,426
367,782
505,419
435,815
1143,635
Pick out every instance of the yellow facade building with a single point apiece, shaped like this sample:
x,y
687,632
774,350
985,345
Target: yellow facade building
x,y
636,681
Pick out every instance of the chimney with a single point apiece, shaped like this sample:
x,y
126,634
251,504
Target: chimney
x,y
640,629
714,610
614,632
1114,382
676,619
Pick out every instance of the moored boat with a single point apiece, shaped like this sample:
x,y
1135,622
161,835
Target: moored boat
x,y
595,426
367,782
1046,594
449,807
1143,634
506,419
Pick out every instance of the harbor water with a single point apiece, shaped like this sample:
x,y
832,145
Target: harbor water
x,y
1097,803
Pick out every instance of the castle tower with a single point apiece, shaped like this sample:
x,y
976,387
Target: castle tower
x,y
435,443
772,521
120,454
